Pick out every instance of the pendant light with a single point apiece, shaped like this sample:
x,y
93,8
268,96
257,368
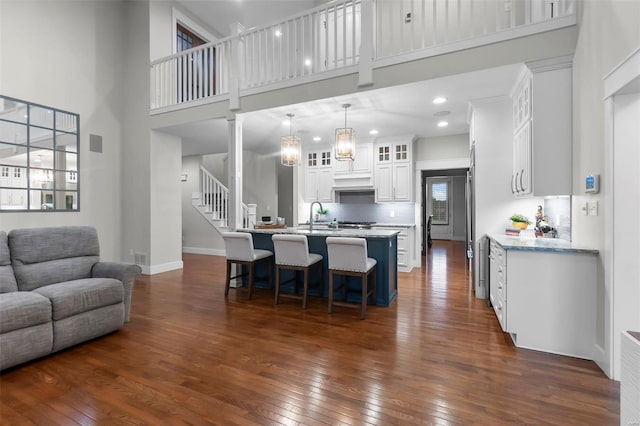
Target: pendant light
x,y
290,147
345,140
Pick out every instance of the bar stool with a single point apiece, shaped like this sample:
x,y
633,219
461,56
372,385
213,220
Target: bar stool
x,y
292,252
239,248
348,257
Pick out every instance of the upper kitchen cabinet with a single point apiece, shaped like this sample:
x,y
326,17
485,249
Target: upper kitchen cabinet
x,y
542,135
318,176
394,169
357,173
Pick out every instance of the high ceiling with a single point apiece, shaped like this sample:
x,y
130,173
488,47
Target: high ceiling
x,y
406,109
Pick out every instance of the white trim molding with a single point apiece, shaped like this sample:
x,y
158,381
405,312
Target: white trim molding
x,y
205,251
164,267
622,79
445,164
178,16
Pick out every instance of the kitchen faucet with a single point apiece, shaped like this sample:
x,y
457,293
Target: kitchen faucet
x,y
311,214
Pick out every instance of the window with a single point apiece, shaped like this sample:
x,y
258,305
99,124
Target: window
x,y
194,70
39,149
440,202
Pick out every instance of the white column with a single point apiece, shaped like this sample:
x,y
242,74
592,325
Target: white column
x,y
235,171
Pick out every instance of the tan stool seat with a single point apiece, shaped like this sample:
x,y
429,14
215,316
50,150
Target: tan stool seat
x,y
239,250
292,252
348,257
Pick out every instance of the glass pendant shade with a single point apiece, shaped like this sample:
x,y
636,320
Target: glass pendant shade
x,y
289,150
290,147
345,140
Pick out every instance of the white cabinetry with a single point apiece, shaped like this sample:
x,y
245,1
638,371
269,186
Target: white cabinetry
x,y
318,176
542,135
406,238
13,177
394,169
357,173
498,282
546,300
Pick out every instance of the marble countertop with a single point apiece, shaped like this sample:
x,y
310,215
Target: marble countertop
x,y
304,230
540,244
394,225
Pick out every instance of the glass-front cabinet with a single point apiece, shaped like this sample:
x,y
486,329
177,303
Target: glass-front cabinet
x,y
39,161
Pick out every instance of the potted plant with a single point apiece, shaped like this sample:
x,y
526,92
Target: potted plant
x,y
519,221
321,214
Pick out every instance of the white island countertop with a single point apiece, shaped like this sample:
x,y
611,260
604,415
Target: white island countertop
x,y
540,244
304,230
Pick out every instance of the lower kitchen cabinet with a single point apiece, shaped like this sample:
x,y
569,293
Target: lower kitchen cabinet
x,y
405,246
545,299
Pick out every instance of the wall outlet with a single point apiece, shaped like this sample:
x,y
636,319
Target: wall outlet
x,y
593,208
407,18
392,213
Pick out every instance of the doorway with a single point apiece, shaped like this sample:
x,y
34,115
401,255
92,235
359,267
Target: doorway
x,y
622,206
443,196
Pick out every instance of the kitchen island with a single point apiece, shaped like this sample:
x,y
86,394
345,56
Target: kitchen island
x,y
382,246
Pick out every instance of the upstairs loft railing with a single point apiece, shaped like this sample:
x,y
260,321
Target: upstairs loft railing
x,y
331,38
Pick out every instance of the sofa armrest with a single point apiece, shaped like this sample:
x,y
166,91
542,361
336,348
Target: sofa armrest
x,y
125,272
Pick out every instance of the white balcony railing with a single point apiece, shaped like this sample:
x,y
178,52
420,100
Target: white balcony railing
x,y
333,37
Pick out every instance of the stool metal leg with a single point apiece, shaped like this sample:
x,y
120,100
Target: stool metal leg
x,y
251,273
363,302
277,284
330,291
306,288
228,281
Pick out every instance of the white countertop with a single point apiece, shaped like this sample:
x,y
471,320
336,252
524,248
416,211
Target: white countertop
x,y
304,230
509,242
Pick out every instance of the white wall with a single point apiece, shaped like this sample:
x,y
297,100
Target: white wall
x,y
609,32
442,147
166,206
69,55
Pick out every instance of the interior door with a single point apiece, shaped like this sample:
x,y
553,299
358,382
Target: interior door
x,y
439,205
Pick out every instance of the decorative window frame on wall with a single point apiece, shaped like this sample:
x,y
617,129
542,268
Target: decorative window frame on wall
x,y
178,17
40,146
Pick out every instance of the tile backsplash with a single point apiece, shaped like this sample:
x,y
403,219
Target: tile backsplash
x,y
558,209
372,212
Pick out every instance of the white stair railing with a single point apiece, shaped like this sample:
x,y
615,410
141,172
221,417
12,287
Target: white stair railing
x,y
215,200
326,37
330,37
191,75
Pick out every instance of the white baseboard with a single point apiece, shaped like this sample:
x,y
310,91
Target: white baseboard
x,y
206,251
158,269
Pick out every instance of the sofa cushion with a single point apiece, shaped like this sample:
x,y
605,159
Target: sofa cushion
x,y
7,279
22,309
43,256
77,296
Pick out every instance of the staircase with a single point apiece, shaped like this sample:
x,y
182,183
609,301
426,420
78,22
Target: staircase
x,y
213,203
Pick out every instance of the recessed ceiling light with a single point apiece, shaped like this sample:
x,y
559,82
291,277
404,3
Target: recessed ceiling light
x,y
286,122
443,123
317,138
439,100
373,132
307,62
277,33
441,113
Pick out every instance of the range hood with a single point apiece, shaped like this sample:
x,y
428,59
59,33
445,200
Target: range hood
x,y
355,196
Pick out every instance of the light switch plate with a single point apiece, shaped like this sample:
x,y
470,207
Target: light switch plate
x,y
593,208
584,208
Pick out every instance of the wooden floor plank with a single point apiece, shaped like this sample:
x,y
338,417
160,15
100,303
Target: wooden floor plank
x,y
189,355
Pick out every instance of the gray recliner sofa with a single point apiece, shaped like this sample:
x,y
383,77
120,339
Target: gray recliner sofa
x,y
55,292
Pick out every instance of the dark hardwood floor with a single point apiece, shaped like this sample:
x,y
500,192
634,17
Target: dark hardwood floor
x,y
190,356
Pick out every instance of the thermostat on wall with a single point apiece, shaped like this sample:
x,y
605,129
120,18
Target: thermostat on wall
x,y
592,184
